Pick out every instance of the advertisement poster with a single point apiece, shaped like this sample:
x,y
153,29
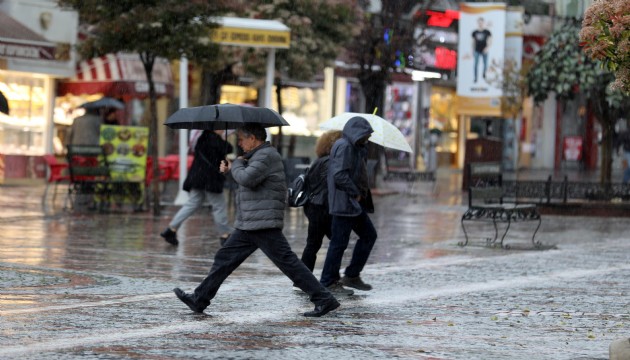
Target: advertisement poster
x,y
480,58
400,102
126,150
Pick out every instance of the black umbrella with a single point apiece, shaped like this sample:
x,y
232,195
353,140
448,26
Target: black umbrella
x,y
4,104
105,102
223,116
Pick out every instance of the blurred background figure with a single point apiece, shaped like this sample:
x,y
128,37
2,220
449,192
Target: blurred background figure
x,y
316,210
86,129
204,183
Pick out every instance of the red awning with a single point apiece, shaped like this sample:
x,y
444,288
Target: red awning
x,y
118,75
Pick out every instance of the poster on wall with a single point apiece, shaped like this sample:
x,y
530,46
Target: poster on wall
x,y
480,58
400,105
126,150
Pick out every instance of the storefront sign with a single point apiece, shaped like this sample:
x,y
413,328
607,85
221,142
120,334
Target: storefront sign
x,y
30,50
252,37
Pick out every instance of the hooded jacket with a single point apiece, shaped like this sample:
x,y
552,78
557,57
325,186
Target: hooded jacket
x,y
347,169
204,173
262,189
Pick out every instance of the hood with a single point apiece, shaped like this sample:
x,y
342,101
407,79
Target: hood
x,y
356,128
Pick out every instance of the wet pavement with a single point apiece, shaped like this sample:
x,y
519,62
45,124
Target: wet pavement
x,y
99,286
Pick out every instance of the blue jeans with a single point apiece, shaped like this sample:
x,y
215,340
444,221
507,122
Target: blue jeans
x,y
342,226
484,58
272,242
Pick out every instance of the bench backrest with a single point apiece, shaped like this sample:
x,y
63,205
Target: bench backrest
x,y
87,163
485,183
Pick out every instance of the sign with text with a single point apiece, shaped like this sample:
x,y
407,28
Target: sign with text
x,y
30,50
251,37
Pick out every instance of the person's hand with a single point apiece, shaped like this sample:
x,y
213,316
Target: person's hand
x,y
225,166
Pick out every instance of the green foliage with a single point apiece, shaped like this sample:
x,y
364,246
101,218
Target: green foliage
x,y
562,67
319,29
165,28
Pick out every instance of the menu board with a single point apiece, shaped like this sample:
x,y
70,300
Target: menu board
x,y
126,150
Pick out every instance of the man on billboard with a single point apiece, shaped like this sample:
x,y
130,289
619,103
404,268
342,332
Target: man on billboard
x,y
482,39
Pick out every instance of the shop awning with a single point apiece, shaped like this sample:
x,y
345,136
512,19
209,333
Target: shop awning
x,y
118,75
18,41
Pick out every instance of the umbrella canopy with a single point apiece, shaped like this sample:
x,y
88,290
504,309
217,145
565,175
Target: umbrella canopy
x,y
385,133
223,116
4,104
105,102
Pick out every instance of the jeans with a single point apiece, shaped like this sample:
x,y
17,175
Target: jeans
x,y
342,226
484,57
272,242
196,199
319,225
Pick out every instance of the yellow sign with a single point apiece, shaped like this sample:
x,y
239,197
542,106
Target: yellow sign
x,y
479,106
126,151
251,37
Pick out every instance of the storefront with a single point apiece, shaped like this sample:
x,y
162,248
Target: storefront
x,y
120,76
31,59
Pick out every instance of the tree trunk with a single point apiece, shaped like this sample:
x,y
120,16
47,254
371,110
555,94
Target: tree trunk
x,y
210,92
607,124
148,60
373,85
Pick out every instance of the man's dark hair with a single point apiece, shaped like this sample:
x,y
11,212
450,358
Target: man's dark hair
x,y
254,129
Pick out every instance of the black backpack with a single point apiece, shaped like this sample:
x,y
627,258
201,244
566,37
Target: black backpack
x,y
299,193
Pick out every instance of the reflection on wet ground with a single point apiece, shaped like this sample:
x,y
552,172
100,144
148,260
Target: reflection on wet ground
x,y
92,285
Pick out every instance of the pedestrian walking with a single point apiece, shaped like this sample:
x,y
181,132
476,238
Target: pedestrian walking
x,y
349,201
316,209
204,183
260,206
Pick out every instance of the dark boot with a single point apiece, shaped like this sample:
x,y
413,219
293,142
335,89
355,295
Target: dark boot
x,y
170,236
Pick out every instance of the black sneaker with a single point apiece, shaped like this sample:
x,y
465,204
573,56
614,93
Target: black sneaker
x,y
190,300
338,290
170,236
355,282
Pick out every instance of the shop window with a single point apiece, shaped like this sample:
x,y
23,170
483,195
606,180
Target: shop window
x,y
22,130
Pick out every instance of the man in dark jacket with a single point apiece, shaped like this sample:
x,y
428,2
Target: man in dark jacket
x,y
204,182
349,201
260,206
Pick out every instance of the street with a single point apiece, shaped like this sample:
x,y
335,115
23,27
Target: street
x,y
99,286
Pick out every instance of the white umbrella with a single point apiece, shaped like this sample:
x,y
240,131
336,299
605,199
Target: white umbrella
x,y
385,133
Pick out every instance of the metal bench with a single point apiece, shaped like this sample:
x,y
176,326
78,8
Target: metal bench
x,y
488,202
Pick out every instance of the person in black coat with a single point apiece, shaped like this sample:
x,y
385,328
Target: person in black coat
x,y
316,210
204,183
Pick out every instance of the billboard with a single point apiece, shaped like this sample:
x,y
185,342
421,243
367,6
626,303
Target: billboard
x,y
481,45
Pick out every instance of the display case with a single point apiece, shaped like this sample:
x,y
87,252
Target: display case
x,y
22,130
